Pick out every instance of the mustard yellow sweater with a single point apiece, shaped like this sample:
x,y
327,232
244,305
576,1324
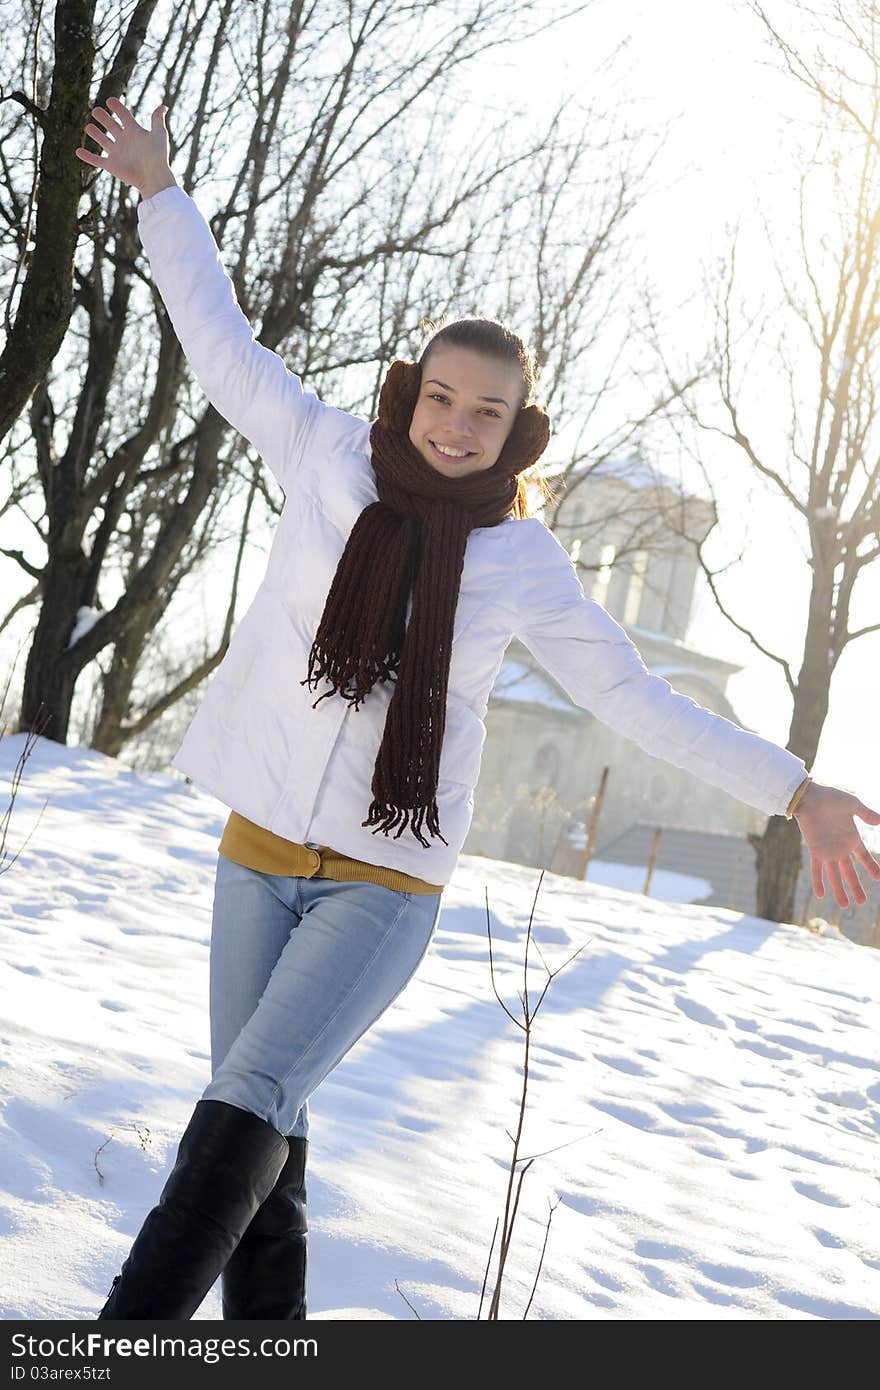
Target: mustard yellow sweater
x,y
256,848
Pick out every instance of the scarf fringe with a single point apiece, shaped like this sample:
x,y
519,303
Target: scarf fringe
x,y
323,666
388,816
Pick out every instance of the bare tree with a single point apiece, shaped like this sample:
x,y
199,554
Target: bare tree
x,y
41,212
825,359
339,213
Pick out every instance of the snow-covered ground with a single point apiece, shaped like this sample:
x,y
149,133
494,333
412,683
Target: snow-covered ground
x,y
704,1092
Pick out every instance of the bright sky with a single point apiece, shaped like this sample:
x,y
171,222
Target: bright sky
x,y
707,67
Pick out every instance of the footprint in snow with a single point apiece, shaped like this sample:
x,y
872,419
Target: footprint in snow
x,y
829,1239
625,1064
698,1013
818,1194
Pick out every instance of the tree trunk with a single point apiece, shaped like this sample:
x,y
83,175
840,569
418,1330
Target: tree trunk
x,y
109,735
779,858
42,317
51,670
779,850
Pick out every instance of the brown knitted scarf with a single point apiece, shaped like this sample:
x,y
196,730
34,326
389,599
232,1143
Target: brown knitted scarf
x,y
411,541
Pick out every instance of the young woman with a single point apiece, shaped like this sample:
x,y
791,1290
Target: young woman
x,y
403,564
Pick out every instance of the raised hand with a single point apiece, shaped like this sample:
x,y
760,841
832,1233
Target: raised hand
x,y
134,154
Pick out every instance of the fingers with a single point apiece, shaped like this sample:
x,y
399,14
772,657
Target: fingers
x,y
113,126
838,870
107,121
855,883
105,141
836,883
864,855
120,111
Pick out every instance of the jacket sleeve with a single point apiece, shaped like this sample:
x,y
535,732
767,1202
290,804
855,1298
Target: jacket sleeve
x,y
591,657
247,383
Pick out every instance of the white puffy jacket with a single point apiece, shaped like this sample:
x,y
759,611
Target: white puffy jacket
x,y
257,744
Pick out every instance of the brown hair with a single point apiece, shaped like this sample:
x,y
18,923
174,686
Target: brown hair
x,y
495,339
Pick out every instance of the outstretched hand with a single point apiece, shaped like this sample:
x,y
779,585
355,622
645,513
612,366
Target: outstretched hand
x,y
825,818
130,151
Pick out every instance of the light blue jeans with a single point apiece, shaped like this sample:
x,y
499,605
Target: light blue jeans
x,y
300,968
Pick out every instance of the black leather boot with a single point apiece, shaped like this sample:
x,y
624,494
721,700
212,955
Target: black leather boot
x,y
227,1164
265,1277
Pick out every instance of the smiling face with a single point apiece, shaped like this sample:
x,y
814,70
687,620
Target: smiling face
x,y
467,405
